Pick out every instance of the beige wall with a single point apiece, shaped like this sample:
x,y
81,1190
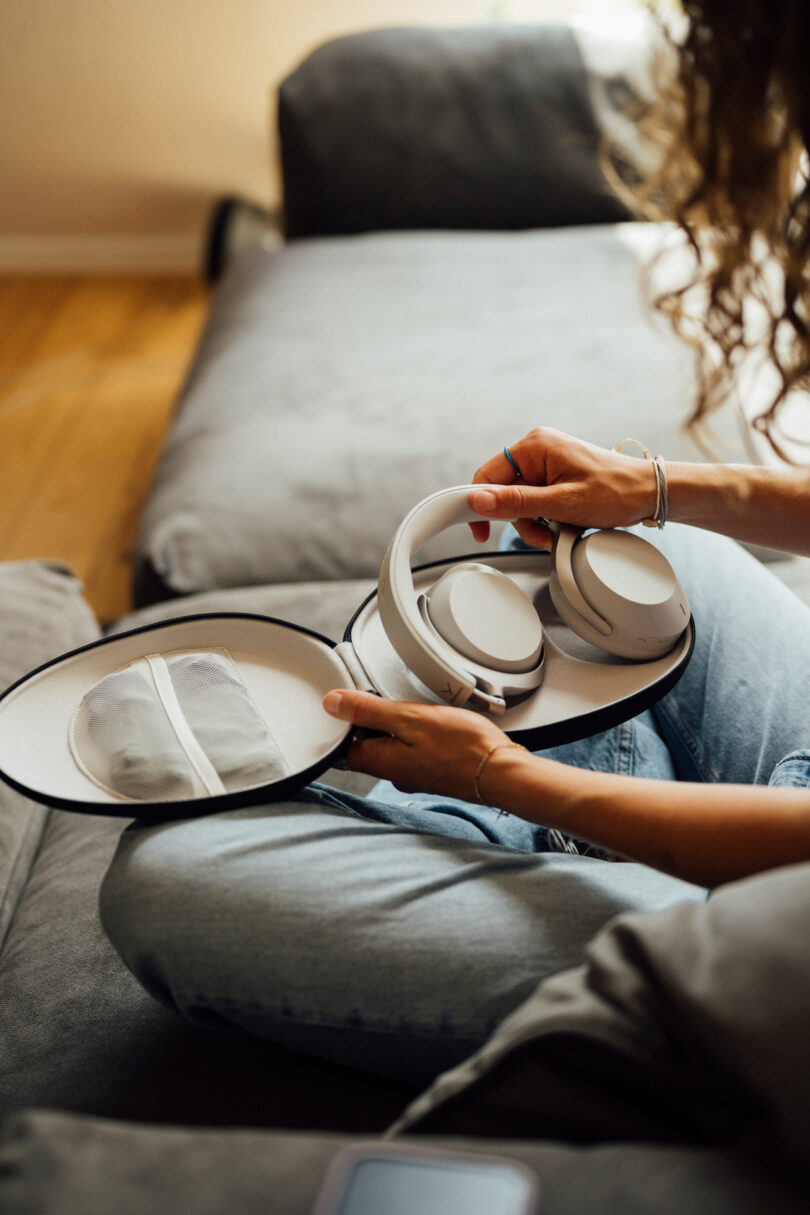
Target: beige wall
x,y
123,119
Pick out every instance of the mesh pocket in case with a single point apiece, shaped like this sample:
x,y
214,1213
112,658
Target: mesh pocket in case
x,y
173,727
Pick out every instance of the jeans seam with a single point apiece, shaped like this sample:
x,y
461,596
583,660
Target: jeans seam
x,y
443,1027
625,752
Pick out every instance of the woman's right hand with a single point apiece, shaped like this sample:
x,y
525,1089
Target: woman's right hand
x,y
564,479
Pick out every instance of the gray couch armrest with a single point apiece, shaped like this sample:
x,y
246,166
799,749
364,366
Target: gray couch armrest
x,y
42,614
481,128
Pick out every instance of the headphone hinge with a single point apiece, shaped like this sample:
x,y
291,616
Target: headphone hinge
x,y
479,699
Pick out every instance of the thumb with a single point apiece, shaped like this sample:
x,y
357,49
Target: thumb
x,y
361,709
510,501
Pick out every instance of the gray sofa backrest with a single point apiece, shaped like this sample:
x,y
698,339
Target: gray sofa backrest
x,y
483,128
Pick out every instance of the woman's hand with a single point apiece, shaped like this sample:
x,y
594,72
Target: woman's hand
x,y
425,748
563,479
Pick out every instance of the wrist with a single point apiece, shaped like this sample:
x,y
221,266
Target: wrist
x,y
644,492
703,494
656,516
496,769
536,789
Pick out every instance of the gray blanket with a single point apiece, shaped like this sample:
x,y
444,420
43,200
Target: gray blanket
x,y
684,1026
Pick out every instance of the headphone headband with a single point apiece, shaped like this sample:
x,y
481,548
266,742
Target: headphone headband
x,y
429,657
456,678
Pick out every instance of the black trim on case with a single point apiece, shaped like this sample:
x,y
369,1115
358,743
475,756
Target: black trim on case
x,y
587,724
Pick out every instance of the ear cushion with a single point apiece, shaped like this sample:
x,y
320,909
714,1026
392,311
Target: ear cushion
x,y
484,615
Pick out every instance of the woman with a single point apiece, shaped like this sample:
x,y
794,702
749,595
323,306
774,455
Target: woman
x,y
701,828
395,932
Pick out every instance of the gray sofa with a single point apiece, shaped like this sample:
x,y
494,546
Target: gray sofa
x,y
456,271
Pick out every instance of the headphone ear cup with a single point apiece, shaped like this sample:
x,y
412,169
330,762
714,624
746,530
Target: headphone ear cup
x,y
618,591
486,617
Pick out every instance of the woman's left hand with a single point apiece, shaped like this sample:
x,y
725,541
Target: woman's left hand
x,y
424,748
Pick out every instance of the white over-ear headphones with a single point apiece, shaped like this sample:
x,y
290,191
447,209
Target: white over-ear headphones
x,y
476,637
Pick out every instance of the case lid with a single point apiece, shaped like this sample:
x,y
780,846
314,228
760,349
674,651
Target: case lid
x,y
191,716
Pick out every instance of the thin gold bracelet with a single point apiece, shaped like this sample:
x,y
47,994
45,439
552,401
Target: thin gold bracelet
x,y
495,747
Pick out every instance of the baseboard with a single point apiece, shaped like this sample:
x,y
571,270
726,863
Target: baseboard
x,y
103,253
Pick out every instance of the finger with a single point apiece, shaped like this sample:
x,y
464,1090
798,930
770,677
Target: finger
x,y
375,756
496,471
365,709
535,533
511,501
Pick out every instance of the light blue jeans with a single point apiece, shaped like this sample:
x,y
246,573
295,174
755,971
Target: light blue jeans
x,y
393,933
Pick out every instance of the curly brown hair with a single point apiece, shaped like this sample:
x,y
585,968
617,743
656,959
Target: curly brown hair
x,y
732,129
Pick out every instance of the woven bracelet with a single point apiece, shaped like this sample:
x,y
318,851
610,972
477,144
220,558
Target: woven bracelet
x,y
659,516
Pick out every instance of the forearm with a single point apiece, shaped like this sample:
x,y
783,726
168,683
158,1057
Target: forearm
x,y
767,506
706,834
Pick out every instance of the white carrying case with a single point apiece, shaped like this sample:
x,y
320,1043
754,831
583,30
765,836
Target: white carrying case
x,y
286,670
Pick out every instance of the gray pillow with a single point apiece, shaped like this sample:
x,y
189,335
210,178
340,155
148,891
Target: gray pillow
x,y
340,381
442,128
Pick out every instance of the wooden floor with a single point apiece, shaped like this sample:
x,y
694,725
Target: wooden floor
x,y
89,372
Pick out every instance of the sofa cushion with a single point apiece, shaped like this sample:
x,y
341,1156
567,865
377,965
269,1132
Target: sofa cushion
x,y
324,607
42,614
442,128
340,381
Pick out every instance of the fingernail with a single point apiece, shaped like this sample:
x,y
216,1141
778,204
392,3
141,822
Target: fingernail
x,y
483,501
332,702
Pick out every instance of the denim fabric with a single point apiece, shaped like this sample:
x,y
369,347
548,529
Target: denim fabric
x,y
394,932
793,771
